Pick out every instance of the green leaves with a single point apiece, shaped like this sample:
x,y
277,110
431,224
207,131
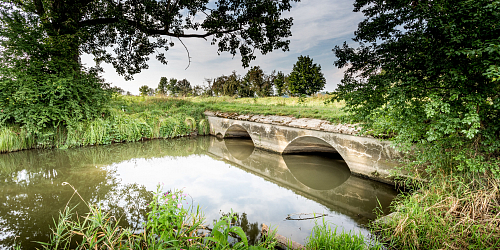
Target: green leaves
x,y
427,72
126,33
39,86
306,77
221,232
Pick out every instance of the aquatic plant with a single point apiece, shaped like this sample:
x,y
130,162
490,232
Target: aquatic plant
x,y
203,127
14,138
172,223
221,232
449,212
324,237
190,122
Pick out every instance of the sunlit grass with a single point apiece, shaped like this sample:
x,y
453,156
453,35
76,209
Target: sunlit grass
x,y
326,237
449,212
134,118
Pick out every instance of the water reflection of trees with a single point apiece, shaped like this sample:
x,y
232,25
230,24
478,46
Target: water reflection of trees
x,y
252,230
31,192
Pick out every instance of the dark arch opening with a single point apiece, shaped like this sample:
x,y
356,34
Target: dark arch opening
x,y
315,163
236,131
238,142
310,145
317,171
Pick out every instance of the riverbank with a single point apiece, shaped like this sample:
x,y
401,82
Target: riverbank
x,y
450,211
127,119
133,118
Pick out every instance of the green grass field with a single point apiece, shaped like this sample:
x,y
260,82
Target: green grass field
x,y
133,118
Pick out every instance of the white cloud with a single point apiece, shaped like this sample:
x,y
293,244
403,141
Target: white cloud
x,y
319,25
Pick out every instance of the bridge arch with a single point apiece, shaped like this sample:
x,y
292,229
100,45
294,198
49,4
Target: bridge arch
x,y
312,145
326,171
236,131
309,144
240,149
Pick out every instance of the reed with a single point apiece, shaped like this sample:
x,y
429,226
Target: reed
x,y
14,138
203,127
449,212
171,224
324,237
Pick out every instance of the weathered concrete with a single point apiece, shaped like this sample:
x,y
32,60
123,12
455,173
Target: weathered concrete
x,y
369,157
307,123
353,196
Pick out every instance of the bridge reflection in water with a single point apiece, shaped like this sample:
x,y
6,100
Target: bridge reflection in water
x,y
325,179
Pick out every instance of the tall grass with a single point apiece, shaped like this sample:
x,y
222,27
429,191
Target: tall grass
x,y
13,139
128,119
449,212
171,224
131,118
324,237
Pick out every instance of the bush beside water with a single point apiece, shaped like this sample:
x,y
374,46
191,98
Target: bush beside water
x,y
128,119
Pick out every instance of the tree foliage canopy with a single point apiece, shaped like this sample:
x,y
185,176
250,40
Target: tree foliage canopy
x,y
125,33
428,71
306,77
162,86
39,87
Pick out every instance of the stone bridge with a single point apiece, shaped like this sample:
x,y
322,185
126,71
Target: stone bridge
x,y
326,181
368,157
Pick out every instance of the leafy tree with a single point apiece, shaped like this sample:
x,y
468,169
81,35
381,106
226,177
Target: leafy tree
x,y
226,85
38,86
145,90
208,90
279,83
162,86
260,82
245,88
428,72
136,29
117,90
184,87
172,87
42,81
198,90
232,83
306,77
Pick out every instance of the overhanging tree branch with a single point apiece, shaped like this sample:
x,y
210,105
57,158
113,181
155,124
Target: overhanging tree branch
x,y
148,31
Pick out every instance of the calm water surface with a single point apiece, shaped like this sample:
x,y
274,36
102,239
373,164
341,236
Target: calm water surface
x,y
219,175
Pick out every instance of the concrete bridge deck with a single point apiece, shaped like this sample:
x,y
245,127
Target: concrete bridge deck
x,y
368,157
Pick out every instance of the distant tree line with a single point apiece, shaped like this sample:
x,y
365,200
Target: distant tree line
x,y
305,79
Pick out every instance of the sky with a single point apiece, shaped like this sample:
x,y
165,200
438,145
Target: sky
x,y
318,25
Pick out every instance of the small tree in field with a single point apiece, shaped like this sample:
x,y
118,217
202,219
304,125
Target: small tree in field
x,y
162,86
184,87
145,90
306,77
279,84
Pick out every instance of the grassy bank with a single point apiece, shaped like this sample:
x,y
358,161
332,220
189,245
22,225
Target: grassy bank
x,y
127,119
450,212
311,107
132,118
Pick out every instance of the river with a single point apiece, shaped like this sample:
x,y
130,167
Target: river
x,y
219,175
